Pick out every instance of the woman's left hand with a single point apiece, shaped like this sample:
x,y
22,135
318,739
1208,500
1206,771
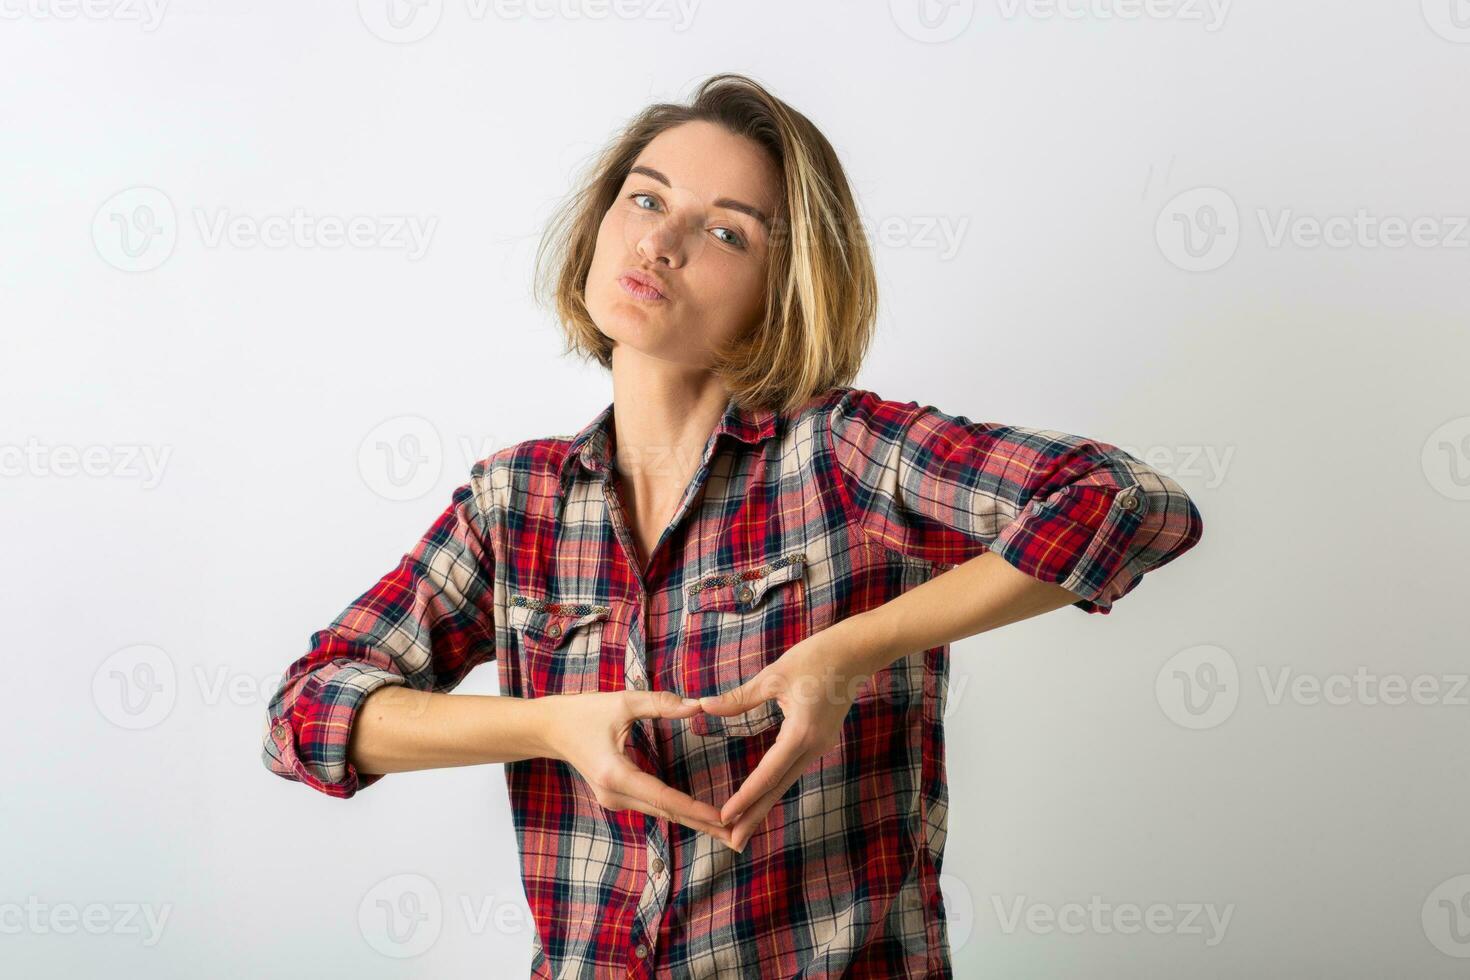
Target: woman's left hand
x,y
815,683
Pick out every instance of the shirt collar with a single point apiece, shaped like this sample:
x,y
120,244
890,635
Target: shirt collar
x,y
590,446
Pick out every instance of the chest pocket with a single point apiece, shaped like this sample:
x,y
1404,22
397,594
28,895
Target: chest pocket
x,y
561,643
736,622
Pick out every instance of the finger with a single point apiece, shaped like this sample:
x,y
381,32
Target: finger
x,y
738,700
621,801
784,751
745,825
661,704
632,781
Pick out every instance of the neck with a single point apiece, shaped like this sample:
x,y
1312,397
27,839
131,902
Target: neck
x,y
662,419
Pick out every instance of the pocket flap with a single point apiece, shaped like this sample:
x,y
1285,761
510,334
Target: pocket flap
x,y
548,623
742,590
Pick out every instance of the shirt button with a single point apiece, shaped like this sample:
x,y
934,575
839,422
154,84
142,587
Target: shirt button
x,y
658,866
1128,501
636,683
554,631
746,594
279,731
642,951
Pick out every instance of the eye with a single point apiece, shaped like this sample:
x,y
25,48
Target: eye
x,y
736,239
739,239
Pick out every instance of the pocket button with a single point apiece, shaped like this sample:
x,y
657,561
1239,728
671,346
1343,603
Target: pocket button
x,y
737,621
561,642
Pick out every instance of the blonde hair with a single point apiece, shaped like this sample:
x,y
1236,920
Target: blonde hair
x,y
821,290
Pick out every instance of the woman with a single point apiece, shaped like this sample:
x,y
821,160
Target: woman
x,y
717,610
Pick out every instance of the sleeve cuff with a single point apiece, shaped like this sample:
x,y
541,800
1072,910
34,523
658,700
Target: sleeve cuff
x,y
309,743
1062,540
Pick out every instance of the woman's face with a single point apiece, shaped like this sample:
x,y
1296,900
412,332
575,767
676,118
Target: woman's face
x,y
692,215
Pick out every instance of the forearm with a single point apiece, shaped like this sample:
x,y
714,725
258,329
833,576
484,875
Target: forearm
x,y
978,595
399,729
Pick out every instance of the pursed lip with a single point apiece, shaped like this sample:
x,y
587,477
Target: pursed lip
x,y
648,280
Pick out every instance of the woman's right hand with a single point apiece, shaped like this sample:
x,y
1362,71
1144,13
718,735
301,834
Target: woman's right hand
x,y
588,731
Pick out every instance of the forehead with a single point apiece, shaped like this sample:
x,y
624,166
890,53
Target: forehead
x,y
709,161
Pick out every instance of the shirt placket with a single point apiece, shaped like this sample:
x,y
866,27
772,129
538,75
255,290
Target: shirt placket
x,y
654,898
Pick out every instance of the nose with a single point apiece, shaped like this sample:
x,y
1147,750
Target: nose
x,y
662,239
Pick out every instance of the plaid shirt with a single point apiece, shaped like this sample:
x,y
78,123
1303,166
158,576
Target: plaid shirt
x,y
791,523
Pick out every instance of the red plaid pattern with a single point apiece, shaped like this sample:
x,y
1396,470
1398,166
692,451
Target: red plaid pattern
x,y
791,523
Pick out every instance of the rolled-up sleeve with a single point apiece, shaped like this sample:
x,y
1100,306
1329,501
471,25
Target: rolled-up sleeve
x,y
1072,511
424,624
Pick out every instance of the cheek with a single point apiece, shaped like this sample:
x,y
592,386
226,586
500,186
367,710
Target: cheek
x,y
747,291
602,252
605,258
736,301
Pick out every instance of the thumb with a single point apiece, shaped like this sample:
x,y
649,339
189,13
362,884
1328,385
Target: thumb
x,y
737,700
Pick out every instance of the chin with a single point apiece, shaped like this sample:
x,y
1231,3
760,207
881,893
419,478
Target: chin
x,y
654,341
631,330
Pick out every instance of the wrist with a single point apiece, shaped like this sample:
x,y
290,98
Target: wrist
x,y
871,640
541,725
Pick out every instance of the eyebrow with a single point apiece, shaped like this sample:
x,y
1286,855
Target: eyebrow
x,y
723,202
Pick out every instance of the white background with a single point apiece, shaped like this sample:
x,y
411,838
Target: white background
x,y
1312,398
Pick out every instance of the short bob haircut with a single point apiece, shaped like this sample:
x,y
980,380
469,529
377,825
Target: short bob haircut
x,y
821,290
